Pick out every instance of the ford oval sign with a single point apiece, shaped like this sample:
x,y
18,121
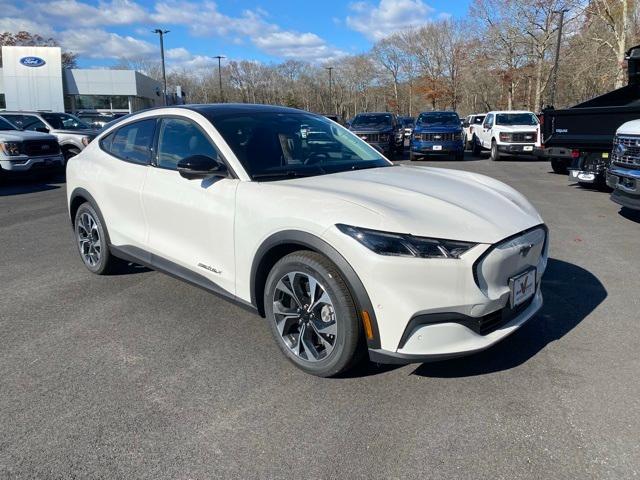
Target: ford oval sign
x,y
32,61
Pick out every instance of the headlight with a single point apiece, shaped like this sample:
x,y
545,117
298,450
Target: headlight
x,y
11,149
505,137
401,245
417,136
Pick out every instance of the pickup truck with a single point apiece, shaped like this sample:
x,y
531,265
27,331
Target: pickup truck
x,y
580,138
381,130
22,151
436,133
72,133
468,127
623,174
509,132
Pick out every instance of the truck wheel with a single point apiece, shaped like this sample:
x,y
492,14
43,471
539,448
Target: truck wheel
x,y
476,149
459,156
312,314
495,153
559,166
413,157
466,143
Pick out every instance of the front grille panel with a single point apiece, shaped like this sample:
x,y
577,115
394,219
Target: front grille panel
x,y
493,321
369,137
38,148
435,137
524,137
626,151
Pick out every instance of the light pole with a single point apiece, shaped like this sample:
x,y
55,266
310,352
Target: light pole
x,y
330,85
556,61
220,57
162,33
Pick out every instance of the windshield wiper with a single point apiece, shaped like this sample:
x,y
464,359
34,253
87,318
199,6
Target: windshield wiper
x,y
285,174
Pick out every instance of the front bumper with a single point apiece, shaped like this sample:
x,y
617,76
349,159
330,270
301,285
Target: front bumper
x,y
626,185
26,164
423,148
517,149
429,309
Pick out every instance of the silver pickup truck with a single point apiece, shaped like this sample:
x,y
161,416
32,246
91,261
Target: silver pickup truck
x,y
22,151
72,133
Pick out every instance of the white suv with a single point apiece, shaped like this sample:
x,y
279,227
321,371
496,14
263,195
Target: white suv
x,y
513,132
293,216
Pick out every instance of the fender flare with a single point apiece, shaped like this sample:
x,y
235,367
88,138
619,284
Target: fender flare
x,y
311,242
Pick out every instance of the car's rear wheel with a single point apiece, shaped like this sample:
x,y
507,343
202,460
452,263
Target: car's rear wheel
x,y
312,314
413,157
476,148
92,241
559,166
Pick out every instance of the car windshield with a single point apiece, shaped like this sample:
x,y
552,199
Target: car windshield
x,y
438,118
64,121
382,120
516,119
273,145
407,122
5,125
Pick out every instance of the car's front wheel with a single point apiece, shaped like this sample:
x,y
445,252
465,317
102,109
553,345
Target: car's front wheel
x,y
312,314
91,238
495,153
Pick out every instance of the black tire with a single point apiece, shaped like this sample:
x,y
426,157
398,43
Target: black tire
x,y
413,157
466,143
348,347
495,153
477,149
67,153
459,156
559,166
106,263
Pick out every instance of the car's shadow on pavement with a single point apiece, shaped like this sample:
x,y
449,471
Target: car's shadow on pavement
x,y
633,215
21,185
570,292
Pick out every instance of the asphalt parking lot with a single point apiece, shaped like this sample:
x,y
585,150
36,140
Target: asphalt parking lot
x,y
142,376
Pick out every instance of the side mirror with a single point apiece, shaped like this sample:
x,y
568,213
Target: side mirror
x,y
201,166
42,129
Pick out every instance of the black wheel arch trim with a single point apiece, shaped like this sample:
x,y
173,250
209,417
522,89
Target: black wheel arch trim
x,y
309,241
82,193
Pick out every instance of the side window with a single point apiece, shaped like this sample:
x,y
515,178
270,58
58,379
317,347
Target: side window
x,y
132,142
488,122
178,139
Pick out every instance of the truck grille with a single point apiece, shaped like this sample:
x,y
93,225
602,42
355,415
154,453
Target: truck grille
x,y
369,137
435,137
38,148
524,137
626,151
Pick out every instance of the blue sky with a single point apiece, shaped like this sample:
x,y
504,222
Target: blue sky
x,y
271,31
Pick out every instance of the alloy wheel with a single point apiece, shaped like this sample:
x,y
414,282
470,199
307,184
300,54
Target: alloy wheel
x,y
305,316
89,241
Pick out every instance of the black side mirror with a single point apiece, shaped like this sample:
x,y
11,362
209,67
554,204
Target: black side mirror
x,y
201,166
42,129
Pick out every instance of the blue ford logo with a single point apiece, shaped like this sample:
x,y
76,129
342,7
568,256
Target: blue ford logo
x,y
621,149
32,61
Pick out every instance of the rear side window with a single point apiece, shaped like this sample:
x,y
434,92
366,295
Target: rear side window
x,y
132,142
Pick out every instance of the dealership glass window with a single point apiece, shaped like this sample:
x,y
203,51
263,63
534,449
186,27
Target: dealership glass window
x,y
179,139
133,142
102,102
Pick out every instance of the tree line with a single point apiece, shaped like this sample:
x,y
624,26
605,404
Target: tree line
x,y
500,56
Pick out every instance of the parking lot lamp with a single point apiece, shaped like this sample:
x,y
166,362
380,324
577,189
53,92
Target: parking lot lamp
x,y
557,59
162,33
220,57
330,87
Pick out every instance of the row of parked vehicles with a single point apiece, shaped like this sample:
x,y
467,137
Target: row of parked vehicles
x,y
39,140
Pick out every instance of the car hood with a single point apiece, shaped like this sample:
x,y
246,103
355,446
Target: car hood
x,y
437,129
84,133
517,128
431,202
382,129
629,128
21,135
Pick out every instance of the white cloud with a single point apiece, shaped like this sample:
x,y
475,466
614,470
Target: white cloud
x,y
388,16
19,24
303,46
96,43
114,12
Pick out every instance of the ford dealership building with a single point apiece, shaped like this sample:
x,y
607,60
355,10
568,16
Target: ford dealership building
x,y
32,78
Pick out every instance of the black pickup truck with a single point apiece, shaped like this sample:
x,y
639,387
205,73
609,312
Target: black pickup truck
x,y
580,138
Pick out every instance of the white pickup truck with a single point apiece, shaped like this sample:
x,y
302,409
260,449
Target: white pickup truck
x,y
22,151
515,132
624,172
